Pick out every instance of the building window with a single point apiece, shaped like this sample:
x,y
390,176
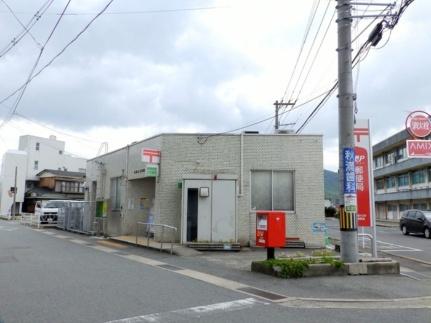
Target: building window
x,y
60,152
404,207
418,177
380,184
36,165
389,158
420,206
401,153
403,180
115,193
37,146
391,182
272,190
378,162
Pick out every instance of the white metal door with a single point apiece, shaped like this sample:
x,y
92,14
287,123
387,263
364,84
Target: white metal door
x,y
223,222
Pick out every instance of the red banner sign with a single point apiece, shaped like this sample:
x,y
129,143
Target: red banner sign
x,y
362,172
362,187
419,148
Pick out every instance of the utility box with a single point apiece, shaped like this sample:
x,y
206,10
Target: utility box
x,y
270,229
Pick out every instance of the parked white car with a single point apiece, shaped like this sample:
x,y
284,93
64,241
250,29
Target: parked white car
x,y
47,211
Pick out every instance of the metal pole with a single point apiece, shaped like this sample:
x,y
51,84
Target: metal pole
x,y
373,205
14,192
136,233
276,124
349,233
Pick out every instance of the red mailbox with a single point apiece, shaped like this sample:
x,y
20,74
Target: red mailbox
x,y
270,229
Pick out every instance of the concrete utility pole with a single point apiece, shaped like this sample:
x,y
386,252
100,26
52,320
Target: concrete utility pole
x,y
347,185
278,105
14,193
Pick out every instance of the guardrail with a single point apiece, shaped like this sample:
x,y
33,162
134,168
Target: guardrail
x,y
148,231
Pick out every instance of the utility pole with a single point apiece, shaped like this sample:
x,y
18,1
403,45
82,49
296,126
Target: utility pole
x,y
278,105
14,193
347,185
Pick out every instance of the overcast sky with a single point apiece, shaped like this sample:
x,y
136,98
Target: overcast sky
x,y
131,76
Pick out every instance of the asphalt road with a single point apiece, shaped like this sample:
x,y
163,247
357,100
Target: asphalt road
x,y
391,241
53,276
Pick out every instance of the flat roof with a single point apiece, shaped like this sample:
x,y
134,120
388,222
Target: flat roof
x,y
208,134
391,142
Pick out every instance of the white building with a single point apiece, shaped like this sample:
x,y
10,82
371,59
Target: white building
x,y
34,155
210,186
12,159
48,153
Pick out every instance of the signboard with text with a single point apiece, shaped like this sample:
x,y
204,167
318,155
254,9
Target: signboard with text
x,y
363,172
349,180
418,148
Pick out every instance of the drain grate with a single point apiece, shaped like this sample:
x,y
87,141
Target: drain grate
x,y
262,293
170,267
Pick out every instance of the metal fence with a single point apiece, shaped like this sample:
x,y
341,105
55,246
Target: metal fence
x,y
76,216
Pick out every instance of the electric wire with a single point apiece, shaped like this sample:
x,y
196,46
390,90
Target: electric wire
x,y
137,12
73,40
316,54
204,139
20,22
307,31
21,94
357,59
31,23
310,50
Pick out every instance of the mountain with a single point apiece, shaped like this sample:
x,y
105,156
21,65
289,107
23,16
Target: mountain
x,y
331,185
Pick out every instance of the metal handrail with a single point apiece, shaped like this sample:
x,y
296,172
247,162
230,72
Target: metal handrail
x,y
149,226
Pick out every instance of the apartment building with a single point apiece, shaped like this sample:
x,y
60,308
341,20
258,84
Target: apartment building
x,y
401,183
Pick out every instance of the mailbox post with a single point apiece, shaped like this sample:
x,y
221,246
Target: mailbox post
x,y
270,231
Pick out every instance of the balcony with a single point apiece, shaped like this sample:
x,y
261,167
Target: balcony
x,y
402,166
415,194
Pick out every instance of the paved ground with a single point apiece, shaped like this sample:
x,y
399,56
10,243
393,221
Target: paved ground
x,y
54,276
412,251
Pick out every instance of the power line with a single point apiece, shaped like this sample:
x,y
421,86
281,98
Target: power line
x,y
307,31
56,130
35,18
19,98
74,39
365,47
20,22
204,139
310,51
137,12
315,55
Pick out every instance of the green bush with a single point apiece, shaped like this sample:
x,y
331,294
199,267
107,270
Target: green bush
x,y
290,268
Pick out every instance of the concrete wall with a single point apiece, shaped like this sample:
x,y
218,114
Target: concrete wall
x,y
184,154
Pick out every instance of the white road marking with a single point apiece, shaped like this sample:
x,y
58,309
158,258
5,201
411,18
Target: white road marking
x,y
143,260
78,241
396,247
194,312
401,303
48,232
104,249
61,236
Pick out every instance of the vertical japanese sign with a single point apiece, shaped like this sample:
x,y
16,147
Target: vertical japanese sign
x,y
349,180
363,171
